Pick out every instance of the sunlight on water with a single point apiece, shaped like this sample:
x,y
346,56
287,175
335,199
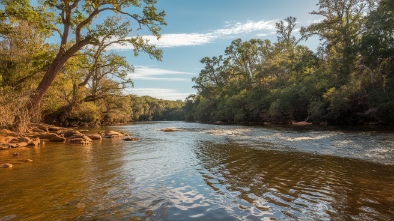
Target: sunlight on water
x,y
205,172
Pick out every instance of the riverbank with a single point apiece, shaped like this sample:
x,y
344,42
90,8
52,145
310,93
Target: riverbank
x,y
36,134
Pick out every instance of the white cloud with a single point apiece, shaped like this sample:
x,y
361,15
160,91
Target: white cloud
x,y
247,27
232,29
178,40
149,73
261,35
161,93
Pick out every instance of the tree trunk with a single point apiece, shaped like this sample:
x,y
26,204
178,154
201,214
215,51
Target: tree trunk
x,y
53,70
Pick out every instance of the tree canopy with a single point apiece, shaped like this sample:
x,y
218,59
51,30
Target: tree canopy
x,y
347,80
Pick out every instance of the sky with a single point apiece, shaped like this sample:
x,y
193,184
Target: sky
x,y
199,28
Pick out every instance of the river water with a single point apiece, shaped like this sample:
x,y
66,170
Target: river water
x,y
206,172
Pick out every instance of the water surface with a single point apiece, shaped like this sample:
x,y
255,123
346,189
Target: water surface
x,y
206,172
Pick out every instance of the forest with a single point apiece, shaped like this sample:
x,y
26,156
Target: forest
x,y
56,67
349,79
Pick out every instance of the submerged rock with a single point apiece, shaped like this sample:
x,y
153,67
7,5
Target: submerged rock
x,y
79,139
113,134
18,144
130,139
5,165
34,142
168,129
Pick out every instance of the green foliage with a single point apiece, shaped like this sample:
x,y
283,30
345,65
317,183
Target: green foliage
x,y
349,80
147,108
78,74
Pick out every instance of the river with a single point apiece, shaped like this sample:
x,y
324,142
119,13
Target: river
x,y
206,172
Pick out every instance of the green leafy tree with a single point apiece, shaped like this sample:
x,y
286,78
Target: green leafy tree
x,y
78,25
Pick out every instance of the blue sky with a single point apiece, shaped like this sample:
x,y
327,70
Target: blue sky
x,y
199,28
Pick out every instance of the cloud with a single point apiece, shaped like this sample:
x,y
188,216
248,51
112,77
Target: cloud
x,y
149,73
232,29
244,28
161,93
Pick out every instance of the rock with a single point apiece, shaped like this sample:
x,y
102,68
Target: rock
x,y
168,129
42,127
83,136
57,138
4,146
19,144
27,160
34,142
13,140
54,129
5,132
5,165
46,135
78,141
70,133
3,139
130,139
94,136
38,130
16,154
300,123
113,134
24,139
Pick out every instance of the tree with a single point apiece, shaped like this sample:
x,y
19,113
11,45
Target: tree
x,y
340,29
74,22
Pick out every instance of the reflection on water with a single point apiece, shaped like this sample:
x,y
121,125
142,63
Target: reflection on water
x,y
298,185
205,172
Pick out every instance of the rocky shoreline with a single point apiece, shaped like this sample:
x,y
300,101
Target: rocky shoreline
x,y
38,133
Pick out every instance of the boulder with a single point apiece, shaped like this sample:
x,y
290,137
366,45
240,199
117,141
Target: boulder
x,y
6,139
54,128
18,144
24,139
5,132
16,154
4,146
168,129
94,136
70,133
129,139
34,142
113,134
5,165
78,141
57,138
37,130
46,135
27,160
43,127
83,136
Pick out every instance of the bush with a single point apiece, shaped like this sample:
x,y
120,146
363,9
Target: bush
x,y
14,113
84,114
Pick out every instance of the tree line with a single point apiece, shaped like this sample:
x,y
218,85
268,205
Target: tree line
x,y
349,79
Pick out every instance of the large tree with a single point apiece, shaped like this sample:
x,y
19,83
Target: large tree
x,y
83,23
340,31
